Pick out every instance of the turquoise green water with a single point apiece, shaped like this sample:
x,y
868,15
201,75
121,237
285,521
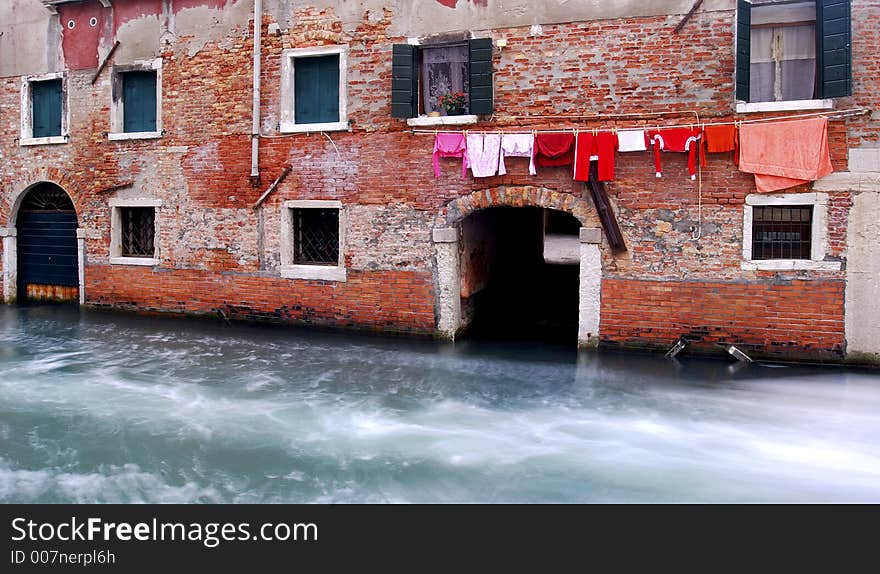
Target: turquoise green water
x,y
101,407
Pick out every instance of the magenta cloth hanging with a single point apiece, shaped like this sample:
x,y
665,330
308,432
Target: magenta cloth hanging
x,y
450,145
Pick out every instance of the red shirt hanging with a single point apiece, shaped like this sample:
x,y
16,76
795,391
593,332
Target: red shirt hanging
x,y
678,140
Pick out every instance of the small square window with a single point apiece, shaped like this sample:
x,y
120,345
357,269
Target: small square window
x,y
312,240
134,231
313,91
315,236
138,231
786,232
782,232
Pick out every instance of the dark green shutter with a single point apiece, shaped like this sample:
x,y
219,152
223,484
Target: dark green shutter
x,y
404,81
46,108
743,48
480,63
833,52
316,89
139,101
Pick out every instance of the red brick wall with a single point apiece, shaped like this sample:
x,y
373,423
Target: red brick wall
x,y
795,318
387,301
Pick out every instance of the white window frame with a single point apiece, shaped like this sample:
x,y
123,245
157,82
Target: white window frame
x,y
26,137
116,257
289,269
818,233
784,15
117,105
288,108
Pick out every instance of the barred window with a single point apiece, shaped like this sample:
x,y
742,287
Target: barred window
x,y
782,232
315,236
138,231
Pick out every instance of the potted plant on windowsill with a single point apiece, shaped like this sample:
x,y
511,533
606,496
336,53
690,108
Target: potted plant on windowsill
x,y
453,103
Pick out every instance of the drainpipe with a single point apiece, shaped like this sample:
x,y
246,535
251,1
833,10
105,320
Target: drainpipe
x,y
255,130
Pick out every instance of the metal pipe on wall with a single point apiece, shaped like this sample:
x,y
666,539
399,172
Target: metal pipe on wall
x,y
255,130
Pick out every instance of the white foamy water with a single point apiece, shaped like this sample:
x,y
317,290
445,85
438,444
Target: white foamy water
x,y
109,408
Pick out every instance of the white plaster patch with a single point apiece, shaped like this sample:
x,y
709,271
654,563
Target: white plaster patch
x,y
863,276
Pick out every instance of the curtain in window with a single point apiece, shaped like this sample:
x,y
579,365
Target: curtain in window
x,y
793,49
798,65
444,70
762,71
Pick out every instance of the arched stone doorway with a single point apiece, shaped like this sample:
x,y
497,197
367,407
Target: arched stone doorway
x,y
448,242
43,251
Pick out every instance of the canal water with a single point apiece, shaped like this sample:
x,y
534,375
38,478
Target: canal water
x,y
99,407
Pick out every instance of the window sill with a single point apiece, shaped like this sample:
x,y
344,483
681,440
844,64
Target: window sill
x,y
319,272
288,128
792,105
790,265
51,140
142,261
119,136
425,121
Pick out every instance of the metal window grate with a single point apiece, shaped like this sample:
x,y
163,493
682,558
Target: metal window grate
x,y
782,232
316,236
138,231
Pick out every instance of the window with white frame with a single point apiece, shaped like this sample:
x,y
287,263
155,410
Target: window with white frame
x,y
312,240
786,232
45,115
792,54
313,89
136,107
134,231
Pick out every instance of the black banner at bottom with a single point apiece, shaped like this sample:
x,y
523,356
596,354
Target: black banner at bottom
x,y
175,538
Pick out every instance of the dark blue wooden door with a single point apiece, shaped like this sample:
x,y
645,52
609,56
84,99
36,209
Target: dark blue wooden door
x,y
48,266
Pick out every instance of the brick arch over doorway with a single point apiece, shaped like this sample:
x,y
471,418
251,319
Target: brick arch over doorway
x,y
10,237
447,267
517,196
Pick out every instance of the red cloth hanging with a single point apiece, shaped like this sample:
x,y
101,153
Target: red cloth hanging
x,y
719,139
554,149
602,147
677,140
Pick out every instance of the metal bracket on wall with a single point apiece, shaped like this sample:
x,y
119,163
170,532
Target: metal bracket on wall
x,y
272,187
104,62
604,210
687,16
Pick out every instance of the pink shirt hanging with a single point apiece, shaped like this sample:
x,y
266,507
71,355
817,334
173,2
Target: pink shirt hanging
x,y
483,154
450,145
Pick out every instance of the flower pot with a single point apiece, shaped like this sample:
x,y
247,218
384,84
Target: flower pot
x,y
454,111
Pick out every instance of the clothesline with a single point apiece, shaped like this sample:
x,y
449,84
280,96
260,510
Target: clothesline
x,y
836,114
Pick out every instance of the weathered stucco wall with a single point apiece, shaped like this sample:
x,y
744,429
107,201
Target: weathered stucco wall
x,y
426,17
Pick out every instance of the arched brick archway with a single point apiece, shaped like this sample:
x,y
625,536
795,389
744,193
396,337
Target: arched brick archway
x,y
446,234
517,196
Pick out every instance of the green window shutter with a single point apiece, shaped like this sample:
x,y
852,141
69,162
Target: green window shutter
x,y
316,89
404,81
480,64
743,48
46,108
833,52
139,101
